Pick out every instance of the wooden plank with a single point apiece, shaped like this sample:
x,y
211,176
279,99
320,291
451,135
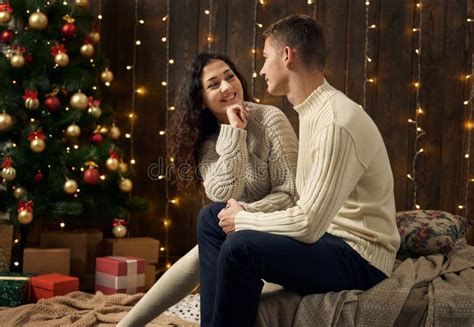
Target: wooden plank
x,y
267,15
432,97
393,86
219,25
450,193
354,80
240,24
333,16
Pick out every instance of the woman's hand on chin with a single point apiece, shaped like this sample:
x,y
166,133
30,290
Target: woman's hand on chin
x,y
237,115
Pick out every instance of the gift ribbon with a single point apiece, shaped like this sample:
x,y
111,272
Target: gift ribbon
x,y
6,7
68,19
90,164
7,163
118,222
114,154
93,102
14,278
36,135
56,49
25,205
30,94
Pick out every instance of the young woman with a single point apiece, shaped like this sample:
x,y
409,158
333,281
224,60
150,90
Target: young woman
x,y
235,148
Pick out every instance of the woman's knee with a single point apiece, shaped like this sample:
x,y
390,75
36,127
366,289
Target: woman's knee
x,y
208,214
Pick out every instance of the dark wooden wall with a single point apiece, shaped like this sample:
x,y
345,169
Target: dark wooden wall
x,y
446,59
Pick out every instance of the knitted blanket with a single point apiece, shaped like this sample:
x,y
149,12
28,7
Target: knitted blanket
x,y
432,290
81,309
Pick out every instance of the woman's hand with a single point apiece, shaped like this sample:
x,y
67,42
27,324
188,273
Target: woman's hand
x,y
227,216
237,115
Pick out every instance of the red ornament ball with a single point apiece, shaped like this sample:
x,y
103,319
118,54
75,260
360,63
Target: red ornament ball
x,y
38,176
52,103
97,138
91,176
6,36
69,30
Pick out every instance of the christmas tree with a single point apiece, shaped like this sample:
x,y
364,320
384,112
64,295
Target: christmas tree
x,y
59,148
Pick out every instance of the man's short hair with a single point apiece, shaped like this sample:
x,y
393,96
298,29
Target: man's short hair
x,y
302,33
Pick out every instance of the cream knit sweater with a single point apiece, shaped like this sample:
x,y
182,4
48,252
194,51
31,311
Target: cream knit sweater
x,y
344,181
256,166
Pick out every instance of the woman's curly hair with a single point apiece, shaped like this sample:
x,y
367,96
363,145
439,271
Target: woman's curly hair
x,y
192,123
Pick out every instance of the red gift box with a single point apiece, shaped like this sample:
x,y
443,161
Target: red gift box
x,y
120,275
49,285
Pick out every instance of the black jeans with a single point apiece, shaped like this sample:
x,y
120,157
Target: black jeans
x,y
232,268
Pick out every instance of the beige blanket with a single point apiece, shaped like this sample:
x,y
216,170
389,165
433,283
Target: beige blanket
x,y
435,290
80,309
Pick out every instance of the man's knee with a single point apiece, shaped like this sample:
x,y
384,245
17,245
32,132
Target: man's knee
x,y
238,245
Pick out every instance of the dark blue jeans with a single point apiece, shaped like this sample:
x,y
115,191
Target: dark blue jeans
x,y
232,268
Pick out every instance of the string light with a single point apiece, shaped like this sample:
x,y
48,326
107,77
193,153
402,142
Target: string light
x,y
469,134
366,55
135,90
167,191
209,36
254,47
418,111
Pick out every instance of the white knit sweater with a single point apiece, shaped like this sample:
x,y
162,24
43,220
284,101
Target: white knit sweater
x,y
256,165
344,181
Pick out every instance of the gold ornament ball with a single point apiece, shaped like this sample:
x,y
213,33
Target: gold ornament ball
x,y
38,21
37,145
19,192
8,173
114,133
82,3
94,111
73,131
95,37
17,61
31,103
25,217
125,185
112,164
5,17
119,231
123,167
107,76
61,59
6,122
87,50
79,101
70,187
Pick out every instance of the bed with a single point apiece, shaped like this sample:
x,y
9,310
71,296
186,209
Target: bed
x,y
432,284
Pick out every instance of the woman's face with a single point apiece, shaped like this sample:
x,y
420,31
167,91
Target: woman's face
x,y
220,88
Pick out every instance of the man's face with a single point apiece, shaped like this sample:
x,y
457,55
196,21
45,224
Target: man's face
x,y
274,70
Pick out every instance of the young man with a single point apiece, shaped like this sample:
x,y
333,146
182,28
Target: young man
x,y
342,232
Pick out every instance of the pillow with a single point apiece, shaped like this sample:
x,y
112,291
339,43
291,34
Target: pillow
x,y
429,231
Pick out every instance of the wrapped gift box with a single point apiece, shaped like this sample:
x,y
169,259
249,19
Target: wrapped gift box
x,y
49,285
146,248
150,276
45,261
116,274
6,239
14,289
85,246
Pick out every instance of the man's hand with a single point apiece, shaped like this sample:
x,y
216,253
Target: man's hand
x,y
227,216
237,115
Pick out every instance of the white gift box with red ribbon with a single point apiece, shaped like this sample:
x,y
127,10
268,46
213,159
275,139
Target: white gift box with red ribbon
x,y
116,274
